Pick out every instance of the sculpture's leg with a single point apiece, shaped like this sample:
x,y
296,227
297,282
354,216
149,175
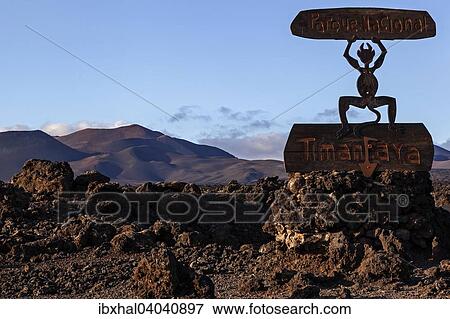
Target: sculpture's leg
x,y
344,106
392,108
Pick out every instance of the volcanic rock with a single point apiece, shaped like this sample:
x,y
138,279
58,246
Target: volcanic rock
x,y
304,251
251,284
87,232
82,182
190,238
12,200
43,246
311,204
192,189
38,176
170,187
442,194
131,240
161,275
441,241
390,243
305,292
124,242
148,187
343,252
103,187
381,265
94,234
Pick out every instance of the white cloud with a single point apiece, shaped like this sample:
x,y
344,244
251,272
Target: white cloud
x,y
188,112
240,116
258,146
17,127
446,144
59,129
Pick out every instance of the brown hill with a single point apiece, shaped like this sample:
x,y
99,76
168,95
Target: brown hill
x,y
441,158
134,154
149,144
16,147
441,154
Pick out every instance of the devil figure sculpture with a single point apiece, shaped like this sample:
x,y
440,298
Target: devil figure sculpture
x,y
367,87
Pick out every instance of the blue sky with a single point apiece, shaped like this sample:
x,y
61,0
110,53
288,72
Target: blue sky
x,y
225,69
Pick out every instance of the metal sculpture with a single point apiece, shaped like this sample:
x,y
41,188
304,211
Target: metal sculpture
x,y
396,146
367,85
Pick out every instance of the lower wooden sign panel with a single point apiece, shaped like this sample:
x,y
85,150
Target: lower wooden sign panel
x,y
315,147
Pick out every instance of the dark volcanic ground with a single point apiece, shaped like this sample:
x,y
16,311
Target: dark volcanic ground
x,y
88,257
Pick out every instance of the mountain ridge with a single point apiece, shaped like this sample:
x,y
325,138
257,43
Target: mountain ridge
x,y
16,147
114,140
135,154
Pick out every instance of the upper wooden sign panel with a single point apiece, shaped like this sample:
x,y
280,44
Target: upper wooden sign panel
x,y
364,24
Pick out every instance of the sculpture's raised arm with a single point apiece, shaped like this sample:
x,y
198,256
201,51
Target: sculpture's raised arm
x,y
379,62
352,61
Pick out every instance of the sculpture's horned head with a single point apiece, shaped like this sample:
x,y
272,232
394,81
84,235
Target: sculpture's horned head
x,y
366,55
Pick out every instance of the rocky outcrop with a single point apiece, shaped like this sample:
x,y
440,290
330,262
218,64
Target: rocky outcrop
x,y
378,265
161,275
12,200
131,239
101,187
82,182
87,232
304,251
363,234
41,176
442,194
328,202
51,245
